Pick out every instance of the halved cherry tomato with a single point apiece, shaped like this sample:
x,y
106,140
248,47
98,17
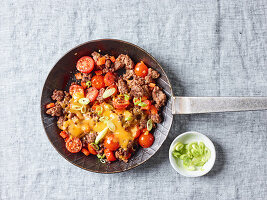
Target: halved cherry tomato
x,y
76,88
135,131
120,103
83,84
85,64
141,69
110,155
63,134
109,78
50,105
112,58
101,60
91,149
146,139
111,143
98,82
148,103
91,94
73,144
153,109
85,152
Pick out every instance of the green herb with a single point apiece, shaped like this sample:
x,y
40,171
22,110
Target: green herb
x,y
126,97
193,155
84,101
149,125
88,83
95,146
142,104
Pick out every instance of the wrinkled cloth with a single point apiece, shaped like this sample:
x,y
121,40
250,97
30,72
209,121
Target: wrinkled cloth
x,y
207,48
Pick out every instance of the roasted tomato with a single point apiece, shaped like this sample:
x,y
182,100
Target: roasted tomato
x,y
76,88
92,149
110,155
109,78
91,94
148,105
120,102
73,145
85,64
146,139
111,143
141,69
98,82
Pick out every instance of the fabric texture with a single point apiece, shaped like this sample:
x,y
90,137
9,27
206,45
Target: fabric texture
x,y
207,48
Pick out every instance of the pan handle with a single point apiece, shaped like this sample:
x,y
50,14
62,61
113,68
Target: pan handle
x,y
190,105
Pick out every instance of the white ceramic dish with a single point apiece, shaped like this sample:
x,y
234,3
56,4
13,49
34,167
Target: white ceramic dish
x,y
186,138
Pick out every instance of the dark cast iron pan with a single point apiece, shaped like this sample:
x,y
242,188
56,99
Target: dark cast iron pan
x,y
62,73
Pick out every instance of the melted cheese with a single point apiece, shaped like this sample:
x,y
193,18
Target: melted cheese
x,y
82,125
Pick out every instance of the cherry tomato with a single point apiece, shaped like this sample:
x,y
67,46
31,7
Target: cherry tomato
x,y
141,69
109,78
85,64
146,140
153,109
110,155
148,105
91,149
98,82
73,145
120,103
91,94
83,84
111,143
76,88
135,131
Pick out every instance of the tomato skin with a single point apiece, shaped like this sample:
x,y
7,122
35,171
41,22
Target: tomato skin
x,y
153,109
120,103
98,82
76,88
85,64
109,78
141,69
146,140
148,103
91,149
111,143
110,155
73,145
135,131
91,94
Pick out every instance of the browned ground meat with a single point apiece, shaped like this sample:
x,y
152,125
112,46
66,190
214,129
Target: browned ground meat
x,y
153,73
143,122
86,77
100,151
156,118
124,61
137,80
122,86
55,111
129,75
140,91
100,95
90,137
121,154
60,121
159,97
95,56
58,95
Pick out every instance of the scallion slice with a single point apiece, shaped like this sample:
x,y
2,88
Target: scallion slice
x,y
136,100
99,110
75,107
126,97
101,135
149,125
142,104
84,101
95,146
109,92
88,83
83,109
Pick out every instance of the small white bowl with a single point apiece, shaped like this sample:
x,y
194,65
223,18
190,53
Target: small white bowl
x,y
187,138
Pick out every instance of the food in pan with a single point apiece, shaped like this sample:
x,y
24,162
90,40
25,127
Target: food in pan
x,y
111,108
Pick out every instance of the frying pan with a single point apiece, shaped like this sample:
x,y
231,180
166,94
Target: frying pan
x,y
62,73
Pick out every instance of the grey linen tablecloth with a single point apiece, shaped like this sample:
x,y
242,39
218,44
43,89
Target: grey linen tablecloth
x,y
208,48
